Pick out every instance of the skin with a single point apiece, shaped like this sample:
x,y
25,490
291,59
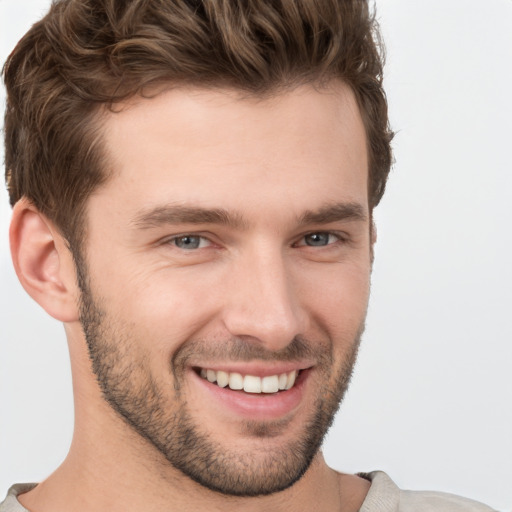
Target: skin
x,y
268,163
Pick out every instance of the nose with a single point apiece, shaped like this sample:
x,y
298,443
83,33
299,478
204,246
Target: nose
x,y
262,302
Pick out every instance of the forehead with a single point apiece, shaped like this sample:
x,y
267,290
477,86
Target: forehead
x,y
192,145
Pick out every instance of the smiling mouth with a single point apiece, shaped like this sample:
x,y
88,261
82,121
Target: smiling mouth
x,y
250,383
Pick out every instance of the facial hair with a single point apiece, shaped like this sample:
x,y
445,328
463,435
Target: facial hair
x,y
122,370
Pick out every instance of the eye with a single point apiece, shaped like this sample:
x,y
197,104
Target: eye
x,y
319,239
190,242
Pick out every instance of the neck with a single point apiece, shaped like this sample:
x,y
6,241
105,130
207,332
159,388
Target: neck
x,y
101,477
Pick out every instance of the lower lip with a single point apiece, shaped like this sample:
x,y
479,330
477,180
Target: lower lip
x,y
257,406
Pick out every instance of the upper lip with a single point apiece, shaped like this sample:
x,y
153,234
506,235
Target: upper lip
x,y
260,369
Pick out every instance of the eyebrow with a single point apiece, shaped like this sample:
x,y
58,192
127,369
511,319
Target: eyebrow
x,y
334,213
180,214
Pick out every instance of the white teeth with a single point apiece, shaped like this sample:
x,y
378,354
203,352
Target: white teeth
x,y
291,379
270,384
236,381
250,383
222,379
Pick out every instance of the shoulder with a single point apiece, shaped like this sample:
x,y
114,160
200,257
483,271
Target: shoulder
x,y
424,501
385,496
11,503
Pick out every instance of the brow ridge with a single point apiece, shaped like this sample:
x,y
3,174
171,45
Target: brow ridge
x,y
181,214
333,213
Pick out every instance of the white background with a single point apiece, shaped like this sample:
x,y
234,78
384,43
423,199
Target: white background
x,y
431,399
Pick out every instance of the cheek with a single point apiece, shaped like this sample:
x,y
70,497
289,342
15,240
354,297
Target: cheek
x,y
161,309
164,306
337,294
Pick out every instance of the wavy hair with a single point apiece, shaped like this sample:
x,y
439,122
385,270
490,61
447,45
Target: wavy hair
x,y
88,55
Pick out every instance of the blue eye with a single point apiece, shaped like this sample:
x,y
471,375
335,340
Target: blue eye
x,y
319,239
189,242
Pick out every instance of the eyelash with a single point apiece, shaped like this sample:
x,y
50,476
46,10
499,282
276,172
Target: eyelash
x,y
338,238
201,238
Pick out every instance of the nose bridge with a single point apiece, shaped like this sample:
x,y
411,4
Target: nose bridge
x,y
263,305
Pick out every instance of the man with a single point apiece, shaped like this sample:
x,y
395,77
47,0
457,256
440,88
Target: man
x,y
193,186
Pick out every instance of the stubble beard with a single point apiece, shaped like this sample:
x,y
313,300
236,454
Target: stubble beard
x,y
128,385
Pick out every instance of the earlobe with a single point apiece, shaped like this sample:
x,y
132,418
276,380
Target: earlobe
x,y
43,262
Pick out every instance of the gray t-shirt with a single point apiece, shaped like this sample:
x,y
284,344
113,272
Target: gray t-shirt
x,y
384,496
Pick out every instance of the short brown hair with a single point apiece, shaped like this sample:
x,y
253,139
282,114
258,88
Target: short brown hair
x,y
85,55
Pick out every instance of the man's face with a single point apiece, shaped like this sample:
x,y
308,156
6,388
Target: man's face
x,y
230,249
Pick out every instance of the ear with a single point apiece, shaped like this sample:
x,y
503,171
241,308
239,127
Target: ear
x,y
43,263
